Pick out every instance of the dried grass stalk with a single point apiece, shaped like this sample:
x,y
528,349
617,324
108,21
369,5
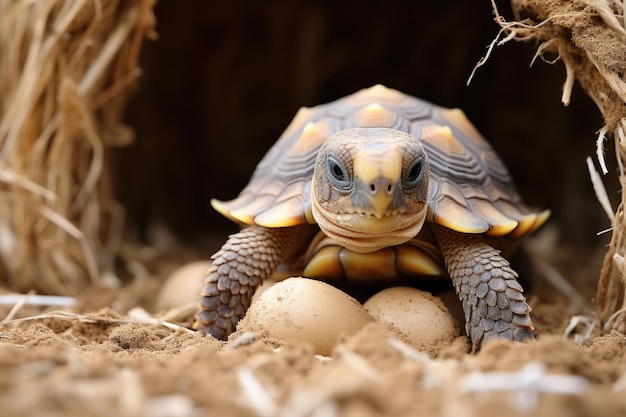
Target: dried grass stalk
x,y
65,70
589,37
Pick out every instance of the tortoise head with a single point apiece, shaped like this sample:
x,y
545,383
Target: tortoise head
x,y
370,188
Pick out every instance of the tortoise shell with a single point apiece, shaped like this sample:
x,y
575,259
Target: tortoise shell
x,y
470,189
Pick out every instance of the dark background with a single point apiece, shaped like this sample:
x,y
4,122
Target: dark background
x,y
225,78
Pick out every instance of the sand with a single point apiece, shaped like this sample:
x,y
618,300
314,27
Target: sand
x,y
104,361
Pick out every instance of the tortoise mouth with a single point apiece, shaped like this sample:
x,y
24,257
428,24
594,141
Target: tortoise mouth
x,y
365,231
351,215
373,223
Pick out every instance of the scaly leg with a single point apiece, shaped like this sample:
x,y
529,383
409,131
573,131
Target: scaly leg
x,y
238,268
493,301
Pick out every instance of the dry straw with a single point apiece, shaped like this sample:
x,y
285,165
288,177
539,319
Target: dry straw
x,y
589,37
65,70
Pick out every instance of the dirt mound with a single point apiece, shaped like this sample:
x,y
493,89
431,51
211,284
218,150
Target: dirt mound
x,y
109,364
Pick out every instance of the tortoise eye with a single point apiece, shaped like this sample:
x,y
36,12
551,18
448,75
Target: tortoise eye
x,y
337,172
414,174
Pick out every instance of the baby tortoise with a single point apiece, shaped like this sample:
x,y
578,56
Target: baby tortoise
x,y
375,185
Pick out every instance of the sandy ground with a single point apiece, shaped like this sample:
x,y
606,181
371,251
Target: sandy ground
x,y
109,357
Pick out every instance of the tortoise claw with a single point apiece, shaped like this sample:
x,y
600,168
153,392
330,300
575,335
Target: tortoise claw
x,y
501,329
213,329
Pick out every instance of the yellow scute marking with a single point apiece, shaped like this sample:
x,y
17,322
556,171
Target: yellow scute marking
x,y
303,114
524,225
451,215
313,134
242,216
445,132
375,265
443,137
458,118
374,115
541,219
335,262
378,89
530,223
502,228
500,224
385,93
225,208
325,264
413,261
220,207
285,214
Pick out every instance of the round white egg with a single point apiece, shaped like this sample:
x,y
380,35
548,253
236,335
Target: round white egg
x,y
306,310
183,286
420,317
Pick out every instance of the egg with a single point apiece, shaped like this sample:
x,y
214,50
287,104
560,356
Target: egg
x,y
419,317
305,310
183,286
267,283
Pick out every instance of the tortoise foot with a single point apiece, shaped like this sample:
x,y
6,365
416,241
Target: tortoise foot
x,y
206,324
511,326
238,268
223,302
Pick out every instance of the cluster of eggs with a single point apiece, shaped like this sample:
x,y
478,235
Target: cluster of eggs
x,y
308,310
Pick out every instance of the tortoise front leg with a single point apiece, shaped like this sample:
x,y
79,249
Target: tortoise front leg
x,y
493,301
238,268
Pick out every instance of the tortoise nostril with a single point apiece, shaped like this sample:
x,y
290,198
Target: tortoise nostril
x,y
382,185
